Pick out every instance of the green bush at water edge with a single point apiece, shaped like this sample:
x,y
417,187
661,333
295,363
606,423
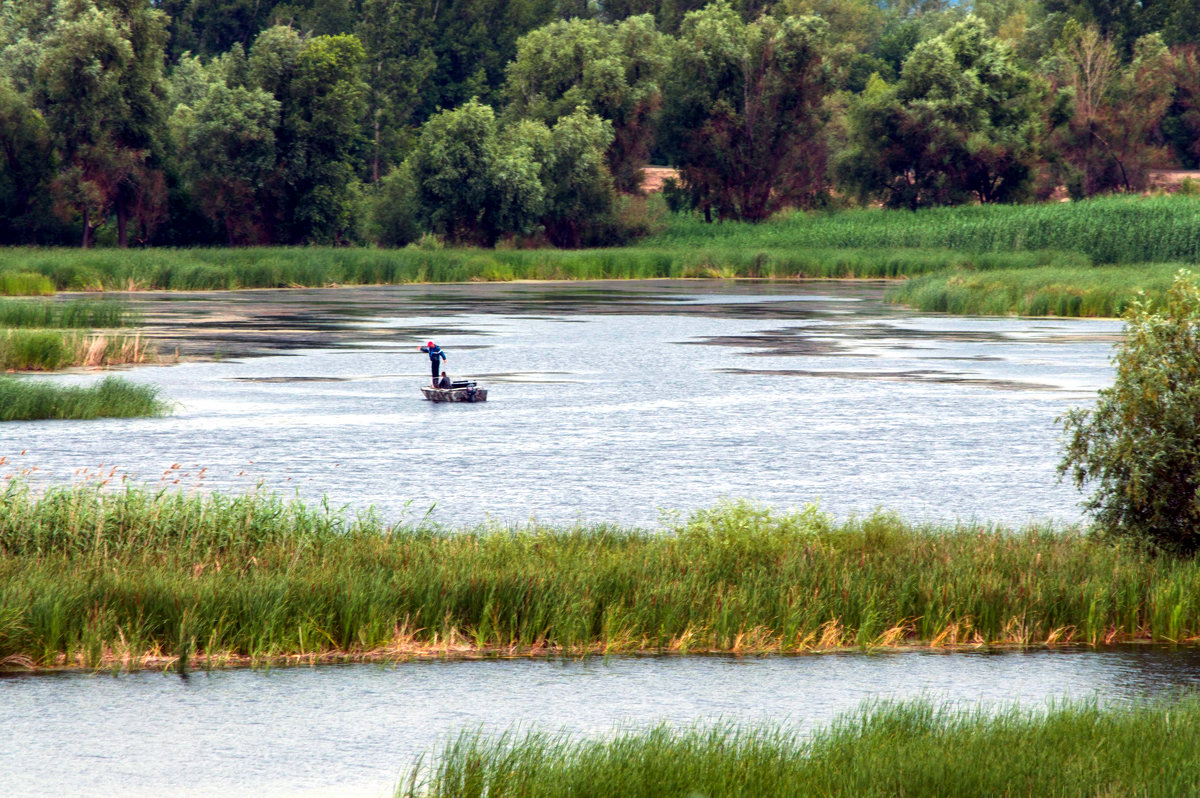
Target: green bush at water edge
x,y
885,750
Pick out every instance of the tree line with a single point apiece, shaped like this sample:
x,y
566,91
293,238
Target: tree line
x,y
238,122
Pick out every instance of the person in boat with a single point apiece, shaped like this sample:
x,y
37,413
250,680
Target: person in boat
x,y
436,355
444,382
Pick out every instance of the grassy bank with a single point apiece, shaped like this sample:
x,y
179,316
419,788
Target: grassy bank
x,y
49,350
1046,291
225,269
882,750
1116,230
100,579
34,400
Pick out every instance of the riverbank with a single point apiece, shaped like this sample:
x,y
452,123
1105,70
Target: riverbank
x,y
136,578
883,749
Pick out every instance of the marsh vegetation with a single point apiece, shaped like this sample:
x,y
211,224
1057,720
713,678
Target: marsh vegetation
x,y
882,749
115,579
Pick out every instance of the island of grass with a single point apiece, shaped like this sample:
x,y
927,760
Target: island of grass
x,y
134,578
24,399
1079,258
885,749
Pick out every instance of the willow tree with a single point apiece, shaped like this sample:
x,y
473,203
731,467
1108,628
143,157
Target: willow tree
x,y
744,112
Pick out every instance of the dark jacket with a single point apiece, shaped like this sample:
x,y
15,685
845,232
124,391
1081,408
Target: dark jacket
x,y
445,382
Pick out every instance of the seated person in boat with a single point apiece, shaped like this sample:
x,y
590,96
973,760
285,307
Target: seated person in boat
x,y
444,382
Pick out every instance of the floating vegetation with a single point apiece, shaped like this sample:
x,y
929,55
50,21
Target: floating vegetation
x,y
96,578
30,400
883,749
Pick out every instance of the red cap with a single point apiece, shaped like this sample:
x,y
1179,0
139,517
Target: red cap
x,y
430,344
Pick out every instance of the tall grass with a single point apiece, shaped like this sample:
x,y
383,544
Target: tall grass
x,y
889,749
30,400
49,350
1107,230
88,577
222,269
18,283
77,313
1101,291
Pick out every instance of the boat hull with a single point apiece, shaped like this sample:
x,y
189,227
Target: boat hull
x,y
454,394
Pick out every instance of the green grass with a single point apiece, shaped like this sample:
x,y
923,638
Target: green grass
x,y
31,400
78,313
226,269
50,350
1049,291
90,577
18,283
886,749
1106,230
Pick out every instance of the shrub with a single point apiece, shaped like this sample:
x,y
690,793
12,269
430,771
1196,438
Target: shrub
x,y
1138,444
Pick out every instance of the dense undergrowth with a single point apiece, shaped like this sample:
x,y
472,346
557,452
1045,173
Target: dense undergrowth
x,y
95,578
35,400
887,749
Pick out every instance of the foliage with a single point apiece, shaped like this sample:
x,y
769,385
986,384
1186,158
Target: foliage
x,y
879,750
743,112
611,70
1104,144
959,126
1138,444
112,397
472,185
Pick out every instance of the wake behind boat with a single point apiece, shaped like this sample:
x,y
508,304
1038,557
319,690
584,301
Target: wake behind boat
x,y
459,391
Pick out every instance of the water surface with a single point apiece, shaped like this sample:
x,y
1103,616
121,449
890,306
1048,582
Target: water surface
x,y
608,402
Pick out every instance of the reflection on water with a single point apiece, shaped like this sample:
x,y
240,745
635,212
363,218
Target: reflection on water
x,y
351,730
609,403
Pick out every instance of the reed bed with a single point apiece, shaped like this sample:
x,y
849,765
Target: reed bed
x,y
95,578
1047,291
72,314
228,269
882,749
50,350
18,283
34,400
1106,229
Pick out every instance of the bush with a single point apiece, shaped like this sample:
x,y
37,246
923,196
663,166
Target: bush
x,y
1139,443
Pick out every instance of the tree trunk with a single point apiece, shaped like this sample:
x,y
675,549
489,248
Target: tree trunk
x,y
87,229
122,225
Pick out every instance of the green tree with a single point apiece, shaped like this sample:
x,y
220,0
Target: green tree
x,y
1108,141
613,70
961,124
26,169
471,185
1138,444
224,135
743,112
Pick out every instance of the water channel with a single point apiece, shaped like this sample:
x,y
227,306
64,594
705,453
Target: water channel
x,y
609,402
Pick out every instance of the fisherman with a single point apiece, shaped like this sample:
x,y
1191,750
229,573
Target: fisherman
x,y
445,382
435,356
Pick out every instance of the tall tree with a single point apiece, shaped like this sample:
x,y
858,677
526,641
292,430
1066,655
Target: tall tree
x,y
1106,141
101,88
224,134
961,124
26,168
613,70
743,112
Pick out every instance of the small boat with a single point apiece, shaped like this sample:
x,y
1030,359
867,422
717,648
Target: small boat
x,y
459,391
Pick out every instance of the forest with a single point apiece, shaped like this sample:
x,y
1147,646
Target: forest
x,y
528,122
